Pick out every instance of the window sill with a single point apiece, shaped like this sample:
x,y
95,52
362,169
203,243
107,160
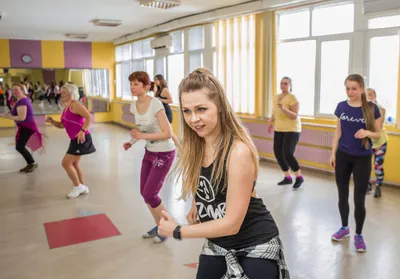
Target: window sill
x,y
98,98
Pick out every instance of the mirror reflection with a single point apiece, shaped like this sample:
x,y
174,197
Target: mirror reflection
x,y
43,87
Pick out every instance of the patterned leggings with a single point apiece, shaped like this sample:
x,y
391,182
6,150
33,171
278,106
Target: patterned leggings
x,y
379,157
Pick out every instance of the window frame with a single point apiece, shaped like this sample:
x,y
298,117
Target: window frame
x,y
318,59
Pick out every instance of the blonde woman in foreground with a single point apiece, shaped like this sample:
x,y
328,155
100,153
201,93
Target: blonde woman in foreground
x,y
219,167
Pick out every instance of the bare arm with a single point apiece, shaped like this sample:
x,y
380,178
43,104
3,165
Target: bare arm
x,y
57,124
336,137
80,109
21,114
383,114
165,93
271,120
240,186
377,133
166,130
292,112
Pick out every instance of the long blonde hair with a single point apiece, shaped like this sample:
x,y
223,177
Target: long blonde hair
x,y
193,147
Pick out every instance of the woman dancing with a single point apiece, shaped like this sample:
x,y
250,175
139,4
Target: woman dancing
x,y
358,121
219,167
76,120
28,134
153,126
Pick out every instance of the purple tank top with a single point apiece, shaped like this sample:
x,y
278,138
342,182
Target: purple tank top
x,y
72,122
29,110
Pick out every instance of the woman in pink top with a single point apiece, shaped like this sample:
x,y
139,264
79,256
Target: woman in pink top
x,y
76,120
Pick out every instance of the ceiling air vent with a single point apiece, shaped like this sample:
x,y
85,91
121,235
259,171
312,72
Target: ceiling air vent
x,y
107,22
160,4
77,36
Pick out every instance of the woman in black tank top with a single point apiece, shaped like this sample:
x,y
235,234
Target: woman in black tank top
x,y
162,93
219,166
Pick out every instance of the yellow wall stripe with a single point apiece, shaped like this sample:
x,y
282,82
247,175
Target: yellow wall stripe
x,y
4,53
52,54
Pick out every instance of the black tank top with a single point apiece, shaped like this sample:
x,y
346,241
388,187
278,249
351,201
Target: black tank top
x,y
167,108
258,225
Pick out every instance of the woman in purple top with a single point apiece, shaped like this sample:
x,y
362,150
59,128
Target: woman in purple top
x,y
28,133
358,121
76,120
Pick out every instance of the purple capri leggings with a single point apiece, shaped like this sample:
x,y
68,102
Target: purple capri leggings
x,y
155,167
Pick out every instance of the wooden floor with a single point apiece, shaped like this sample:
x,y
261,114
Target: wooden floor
x,y
306,219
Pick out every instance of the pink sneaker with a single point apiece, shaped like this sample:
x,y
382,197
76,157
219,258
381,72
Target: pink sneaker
x,y
340,234
359,243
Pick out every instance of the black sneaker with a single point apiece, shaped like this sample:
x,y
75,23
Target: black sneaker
x,y
378,193
32,167
369,189
286,181
298,182
24,169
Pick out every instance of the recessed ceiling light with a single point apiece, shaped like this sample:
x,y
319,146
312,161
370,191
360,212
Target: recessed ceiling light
x,y
106,22
160,4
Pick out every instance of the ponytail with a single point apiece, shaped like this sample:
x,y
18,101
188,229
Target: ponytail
x,y
368,111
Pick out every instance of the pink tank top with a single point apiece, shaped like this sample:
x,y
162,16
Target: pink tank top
x,y
72,122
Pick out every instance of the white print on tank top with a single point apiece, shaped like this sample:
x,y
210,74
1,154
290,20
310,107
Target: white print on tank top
x,y
205,192
344,117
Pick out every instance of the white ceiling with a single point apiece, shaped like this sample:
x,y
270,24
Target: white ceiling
x,y
51,19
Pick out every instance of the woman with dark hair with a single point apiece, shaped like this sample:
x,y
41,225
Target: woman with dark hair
x,y
162,93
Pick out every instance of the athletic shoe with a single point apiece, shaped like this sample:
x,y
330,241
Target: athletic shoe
x,y
77,191
151,233
286,181
159,239
340,234
369,189
298,182
32,167
378,193
359,243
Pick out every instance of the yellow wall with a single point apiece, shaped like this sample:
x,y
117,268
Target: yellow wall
x,y
53,54
103,56
4,53
76,77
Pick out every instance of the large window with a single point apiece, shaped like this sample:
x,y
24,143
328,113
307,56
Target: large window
x,y
335,56
313,49
384,71
196,47
137,56
302,72
96,82
236,61
176,64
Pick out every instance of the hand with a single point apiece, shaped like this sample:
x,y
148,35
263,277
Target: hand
x,y
167,225
127,145
280,106
135,133
81,137
362,134
5,115
270,128
192,216
332,161
49,119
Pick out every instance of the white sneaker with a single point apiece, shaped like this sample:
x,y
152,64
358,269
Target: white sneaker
x,y
78,190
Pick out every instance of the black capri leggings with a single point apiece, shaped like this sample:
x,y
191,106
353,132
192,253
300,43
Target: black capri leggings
x,y
214,267
284,148
24,135
360,167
